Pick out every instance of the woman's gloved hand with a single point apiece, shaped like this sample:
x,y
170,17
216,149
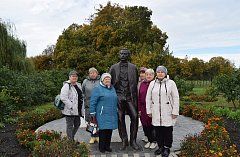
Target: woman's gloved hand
x,y
94,119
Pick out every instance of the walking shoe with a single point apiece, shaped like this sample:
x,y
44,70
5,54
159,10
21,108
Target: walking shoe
x,y
145,139
147,145
153,145
91,140
165,152
102,151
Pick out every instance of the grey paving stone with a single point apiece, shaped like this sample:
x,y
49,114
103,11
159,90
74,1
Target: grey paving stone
x,y
183,127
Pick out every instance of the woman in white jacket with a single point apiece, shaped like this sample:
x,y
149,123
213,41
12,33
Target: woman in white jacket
x,y
71,95
162,104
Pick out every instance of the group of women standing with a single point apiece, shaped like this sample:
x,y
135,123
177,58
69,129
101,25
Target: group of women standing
x,y
158,106
158,109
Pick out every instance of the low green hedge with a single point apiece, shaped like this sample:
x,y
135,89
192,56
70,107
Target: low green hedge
x,y
227,112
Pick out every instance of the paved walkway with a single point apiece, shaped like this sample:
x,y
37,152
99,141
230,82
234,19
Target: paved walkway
x,y
183,127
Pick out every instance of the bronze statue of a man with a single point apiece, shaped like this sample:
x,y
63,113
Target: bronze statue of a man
x,y
124,79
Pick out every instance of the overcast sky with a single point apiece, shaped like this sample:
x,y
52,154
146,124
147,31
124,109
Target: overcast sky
x,y
196,28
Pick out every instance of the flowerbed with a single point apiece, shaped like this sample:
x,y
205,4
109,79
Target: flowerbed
x,y
60,147
214,140
48,143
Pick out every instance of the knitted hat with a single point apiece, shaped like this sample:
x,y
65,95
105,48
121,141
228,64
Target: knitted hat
x,y
104,75
162,69
143,69
92,69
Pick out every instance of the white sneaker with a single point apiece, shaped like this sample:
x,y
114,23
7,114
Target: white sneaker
x,y
153,145
145,139
147,145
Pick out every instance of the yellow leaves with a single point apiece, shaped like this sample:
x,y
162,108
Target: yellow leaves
x,y
220,154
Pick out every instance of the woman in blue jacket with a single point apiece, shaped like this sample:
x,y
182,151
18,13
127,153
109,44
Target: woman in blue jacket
x,y
104,112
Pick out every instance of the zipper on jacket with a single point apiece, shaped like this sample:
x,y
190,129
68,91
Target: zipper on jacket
x,y
160,104
101,110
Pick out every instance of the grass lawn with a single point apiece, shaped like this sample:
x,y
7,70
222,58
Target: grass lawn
x,y
40,108
199,90
221,102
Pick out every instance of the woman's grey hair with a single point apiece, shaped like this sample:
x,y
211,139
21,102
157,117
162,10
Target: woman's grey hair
x,y
92,70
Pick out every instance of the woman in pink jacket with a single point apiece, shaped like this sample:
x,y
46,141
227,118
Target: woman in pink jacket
x,y
145,119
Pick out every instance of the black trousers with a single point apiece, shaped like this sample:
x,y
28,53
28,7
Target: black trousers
x,y
105,136
164,136
149,132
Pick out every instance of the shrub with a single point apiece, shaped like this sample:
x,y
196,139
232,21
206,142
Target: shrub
x,y
6,102
234,115
2,125
19,90
212,92
184,88
32,120
201,98
61,147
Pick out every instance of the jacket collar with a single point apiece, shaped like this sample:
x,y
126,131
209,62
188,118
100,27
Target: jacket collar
x,y
105,85
98,78
162,81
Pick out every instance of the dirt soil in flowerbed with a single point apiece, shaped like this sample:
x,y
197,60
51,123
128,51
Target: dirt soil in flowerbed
x,y
233,129
9,145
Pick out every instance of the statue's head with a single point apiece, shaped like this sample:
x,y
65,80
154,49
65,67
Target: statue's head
x,y
124,54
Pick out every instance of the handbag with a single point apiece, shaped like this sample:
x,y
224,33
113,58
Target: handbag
x,y
92,128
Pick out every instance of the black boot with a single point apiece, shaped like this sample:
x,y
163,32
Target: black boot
x,y
101,145
134,145
158,151
165,152
124,144
107,146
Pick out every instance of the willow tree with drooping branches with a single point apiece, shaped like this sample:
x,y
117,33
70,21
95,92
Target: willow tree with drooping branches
x,y
12,49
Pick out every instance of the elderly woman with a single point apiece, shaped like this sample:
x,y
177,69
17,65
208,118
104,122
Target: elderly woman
x,y
89,83
145,119
162,104
71,96
104,112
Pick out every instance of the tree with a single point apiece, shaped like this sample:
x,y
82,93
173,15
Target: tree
x,y
42,62
12,49
229,86
197,68
49,50
219,65
111,28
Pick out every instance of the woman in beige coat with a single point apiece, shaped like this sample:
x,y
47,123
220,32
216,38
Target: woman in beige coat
x,y
162,104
